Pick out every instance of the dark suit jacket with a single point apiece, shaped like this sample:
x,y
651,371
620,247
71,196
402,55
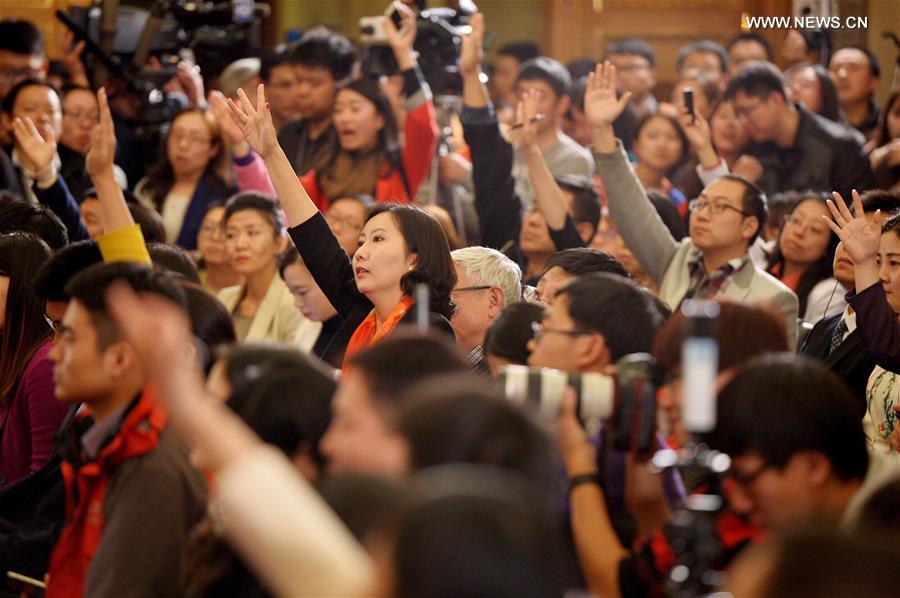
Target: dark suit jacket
x,y
849,361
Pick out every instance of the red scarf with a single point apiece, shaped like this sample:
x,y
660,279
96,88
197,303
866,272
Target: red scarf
x,y
368,332
86,490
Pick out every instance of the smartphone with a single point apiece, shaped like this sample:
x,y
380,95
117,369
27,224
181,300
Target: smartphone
x,y
689,100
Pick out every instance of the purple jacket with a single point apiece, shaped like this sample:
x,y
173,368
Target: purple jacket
x,y
30,421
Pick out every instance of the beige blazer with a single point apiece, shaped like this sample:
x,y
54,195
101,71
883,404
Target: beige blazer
x,y
277,318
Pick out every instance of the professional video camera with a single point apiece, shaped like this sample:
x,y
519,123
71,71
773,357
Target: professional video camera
x,y
439,32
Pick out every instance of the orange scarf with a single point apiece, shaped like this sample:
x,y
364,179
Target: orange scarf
x,y
368,332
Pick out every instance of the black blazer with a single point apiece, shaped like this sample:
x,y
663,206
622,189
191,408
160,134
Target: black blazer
x,y
332,271
850,361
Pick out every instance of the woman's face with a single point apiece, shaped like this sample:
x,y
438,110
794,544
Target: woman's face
x,y
888,260
381,257
41,104
345,217
251,242
211,237
80,115
804,86
356,121
728,133
190,145
658,145
805,235
308,297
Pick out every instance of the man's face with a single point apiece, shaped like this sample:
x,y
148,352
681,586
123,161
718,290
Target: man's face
x,y
761,116
635,74
316,88
18,67
80,115
743,52
718,222
80,368
534,238
776,498
550,105
506,69
360,439
849,69
560,344
706,64
475,310
282,92
551,282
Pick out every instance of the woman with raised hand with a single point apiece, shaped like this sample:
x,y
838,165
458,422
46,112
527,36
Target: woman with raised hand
x,y
399,246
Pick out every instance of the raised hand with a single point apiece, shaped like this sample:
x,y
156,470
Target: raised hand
x,y
470,54
523,133
71,58
35,152
100,156
601,107
230,131
861,237
402,40
191,82
697,130
255,123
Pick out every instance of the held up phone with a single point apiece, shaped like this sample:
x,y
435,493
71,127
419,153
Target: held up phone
x,y
689,100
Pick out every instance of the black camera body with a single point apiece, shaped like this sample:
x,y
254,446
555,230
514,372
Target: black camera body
x,y
626,402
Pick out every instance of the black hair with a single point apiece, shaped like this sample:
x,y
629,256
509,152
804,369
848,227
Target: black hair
x,y
288,407
55,273
424,236
20,36
783,404
248,361
89,287
266,205
668,213
364,199
173,259
521,51
366,503
702,46
753,202
510,332
151,223
210,320
581,67
831,108
750,36
550,71
24,327
634,46
584,260
323,48
880,199
616,308
270,59
585,199
874,63
757,80
403,359
682,137
884,135
20,215
9,101
456,418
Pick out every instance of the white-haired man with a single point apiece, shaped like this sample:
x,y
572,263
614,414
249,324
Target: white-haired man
x,y
487,281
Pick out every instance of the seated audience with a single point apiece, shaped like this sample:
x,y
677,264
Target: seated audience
x,y
810,85
564,266
635,62
346,217
885,158
216,269
280,78
509,60
506,341
705,58
21,53
747,47
856,71
661,146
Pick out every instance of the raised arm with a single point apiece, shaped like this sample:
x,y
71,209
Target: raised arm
x,y
114,212
470,56
249,169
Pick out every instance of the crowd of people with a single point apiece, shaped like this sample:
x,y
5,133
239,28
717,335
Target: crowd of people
x,y
272,353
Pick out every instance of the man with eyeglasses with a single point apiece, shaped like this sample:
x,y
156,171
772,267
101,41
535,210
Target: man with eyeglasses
x,y
796,148
713,261
21,53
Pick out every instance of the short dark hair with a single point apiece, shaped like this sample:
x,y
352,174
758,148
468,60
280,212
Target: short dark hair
x,y
521,51
584,260
581,67
151,223
634,46
89,287
210,320
403,359
804,407
20,215
247,362
756,80
173,259
20,36
585,199
322,48
874,63
616,308
880,199
9,100
55,273
270,59
550,71
511,331
424,236
702,46
252,200
753,201
750,36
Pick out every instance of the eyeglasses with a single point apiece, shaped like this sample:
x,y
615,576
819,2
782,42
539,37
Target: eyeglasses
x,y
539,330
466,290
715,207
746,480
746,111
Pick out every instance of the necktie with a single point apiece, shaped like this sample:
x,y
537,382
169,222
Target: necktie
x,y
838,337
